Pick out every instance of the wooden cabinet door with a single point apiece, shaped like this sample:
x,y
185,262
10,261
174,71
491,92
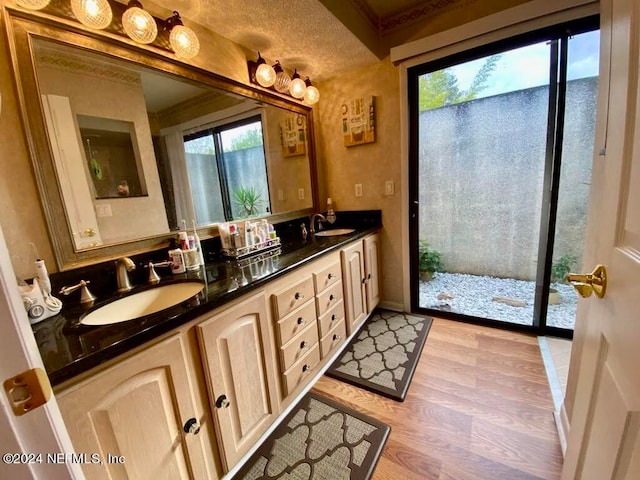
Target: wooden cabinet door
x,y
238,362
137,410
355,304
371,263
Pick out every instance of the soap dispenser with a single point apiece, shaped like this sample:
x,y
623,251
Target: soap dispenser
x,y
331,215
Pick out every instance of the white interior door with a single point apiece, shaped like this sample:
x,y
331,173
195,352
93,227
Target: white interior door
x,y
604,442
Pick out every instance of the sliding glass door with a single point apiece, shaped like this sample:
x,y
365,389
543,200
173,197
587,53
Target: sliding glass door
x,y
492,135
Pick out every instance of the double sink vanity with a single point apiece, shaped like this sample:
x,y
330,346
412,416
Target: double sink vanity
x,y
188,391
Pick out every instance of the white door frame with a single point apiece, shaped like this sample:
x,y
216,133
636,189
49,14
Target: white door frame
x,y
42,430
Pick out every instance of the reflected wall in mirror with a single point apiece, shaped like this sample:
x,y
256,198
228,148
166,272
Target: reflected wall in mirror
x,y
137,145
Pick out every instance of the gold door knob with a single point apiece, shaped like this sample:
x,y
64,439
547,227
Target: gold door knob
x,y
594,282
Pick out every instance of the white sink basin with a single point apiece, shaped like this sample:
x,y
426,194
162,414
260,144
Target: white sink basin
x,y
334,232
142,303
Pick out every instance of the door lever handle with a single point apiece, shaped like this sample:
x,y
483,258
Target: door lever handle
x,y
594,282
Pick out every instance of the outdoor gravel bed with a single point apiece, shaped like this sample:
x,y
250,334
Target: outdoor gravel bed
x,y
473,294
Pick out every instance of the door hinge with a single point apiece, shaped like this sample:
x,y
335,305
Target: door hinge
x,y
28,390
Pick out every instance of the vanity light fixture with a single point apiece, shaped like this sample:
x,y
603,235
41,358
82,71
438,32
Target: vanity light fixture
x,y
277,79
33,4
139,24
311,94
265,74
92,13
297,86
183,40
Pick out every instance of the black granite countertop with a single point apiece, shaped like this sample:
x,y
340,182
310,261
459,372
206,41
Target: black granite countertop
x,y
69,348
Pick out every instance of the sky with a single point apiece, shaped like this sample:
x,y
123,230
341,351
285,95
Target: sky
x,y
528,67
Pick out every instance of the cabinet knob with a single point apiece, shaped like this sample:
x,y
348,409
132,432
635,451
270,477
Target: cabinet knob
x,y
223,401
305,367
369,276
298,295
331,298
333,317
330,276
191,426
336,337
303,345
300,321
364,280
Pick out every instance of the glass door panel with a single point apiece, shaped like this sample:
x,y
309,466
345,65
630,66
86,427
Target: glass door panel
x,y
482,139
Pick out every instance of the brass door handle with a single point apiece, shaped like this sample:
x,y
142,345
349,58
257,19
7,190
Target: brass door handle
x,y
594,282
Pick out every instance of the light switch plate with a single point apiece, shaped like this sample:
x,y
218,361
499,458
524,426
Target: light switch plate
x,y
104,210
301,193
358,189
389,187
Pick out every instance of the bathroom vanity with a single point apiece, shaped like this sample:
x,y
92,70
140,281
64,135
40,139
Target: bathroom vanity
x,y
200,384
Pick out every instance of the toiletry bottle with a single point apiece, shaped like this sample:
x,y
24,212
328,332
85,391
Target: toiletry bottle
x,y
177,261
248,234
43,278
331,215
183,239
197,243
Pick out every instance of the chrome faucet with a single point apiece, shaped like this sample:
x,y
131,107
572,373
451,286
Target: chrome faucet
x,y
321,218
124,265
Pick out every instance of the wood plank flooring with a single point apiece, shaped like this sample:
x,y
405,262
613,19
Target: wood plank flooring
x,y
479,408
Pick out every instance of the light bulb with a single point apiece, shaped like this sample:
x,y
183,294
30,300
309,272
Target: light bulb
x,y
265,74
92,13
282,79
297,86
183,40
311,94
139,24
33,4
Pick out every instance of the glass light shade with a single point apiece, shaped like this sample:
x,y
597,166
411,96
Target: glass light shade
x,y
265,75
92,13
311,95
282,82
33,4
139,25
184,41
297,88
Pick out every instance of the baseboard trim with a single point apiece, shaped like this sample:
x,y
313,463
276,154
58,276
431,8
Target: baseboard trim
x,y
394,306
562,425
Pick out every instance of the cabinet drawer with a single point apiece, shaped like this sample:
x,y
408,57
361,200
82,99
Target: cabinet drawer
x,y
331,318
327,276
296,321
293,297
332,339
328,298
298,346
301,370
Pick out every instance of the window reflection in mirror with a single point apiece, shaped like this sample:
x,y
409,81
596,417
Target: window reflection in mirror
x,y
227,171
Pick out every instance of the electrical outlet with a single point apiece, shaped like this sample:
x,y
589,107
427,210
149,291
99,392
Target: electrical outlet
x,y
301,193
358,189
389,188
104,210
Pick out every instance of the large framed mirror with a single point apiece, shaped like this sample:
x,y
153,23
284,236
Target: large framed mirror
x,y
129,146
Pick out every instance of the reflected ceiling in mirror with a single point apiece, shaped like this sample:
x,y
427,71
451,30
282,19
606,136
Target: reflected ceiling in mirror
x,y
188,145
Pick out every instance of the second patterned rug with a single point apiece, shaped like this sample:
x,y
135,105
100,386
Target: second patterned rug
x,y
384,355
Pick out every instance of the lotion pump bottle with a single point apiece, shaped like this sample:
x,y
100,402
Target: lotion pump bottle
x,y
331,215
197,244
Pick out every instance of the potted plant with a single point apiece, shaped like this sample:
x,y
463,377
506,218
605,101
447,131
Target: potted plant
x,y
429,261
248,199
559,271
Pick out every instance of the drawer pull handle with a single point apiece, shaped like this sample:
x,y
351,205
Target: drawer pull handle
x,y
191,426
331,298
305,367
223,401
303,345
298,295
333,317
336,337
330,276
364,280
301,321
369,277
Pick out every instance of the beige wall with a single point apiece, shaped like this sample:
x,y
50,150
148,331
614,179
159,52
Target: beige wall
x,y
369,164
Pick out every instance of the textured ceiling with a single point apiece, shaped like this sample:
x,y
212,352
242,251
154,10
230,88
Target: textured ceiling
x,y
322,38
